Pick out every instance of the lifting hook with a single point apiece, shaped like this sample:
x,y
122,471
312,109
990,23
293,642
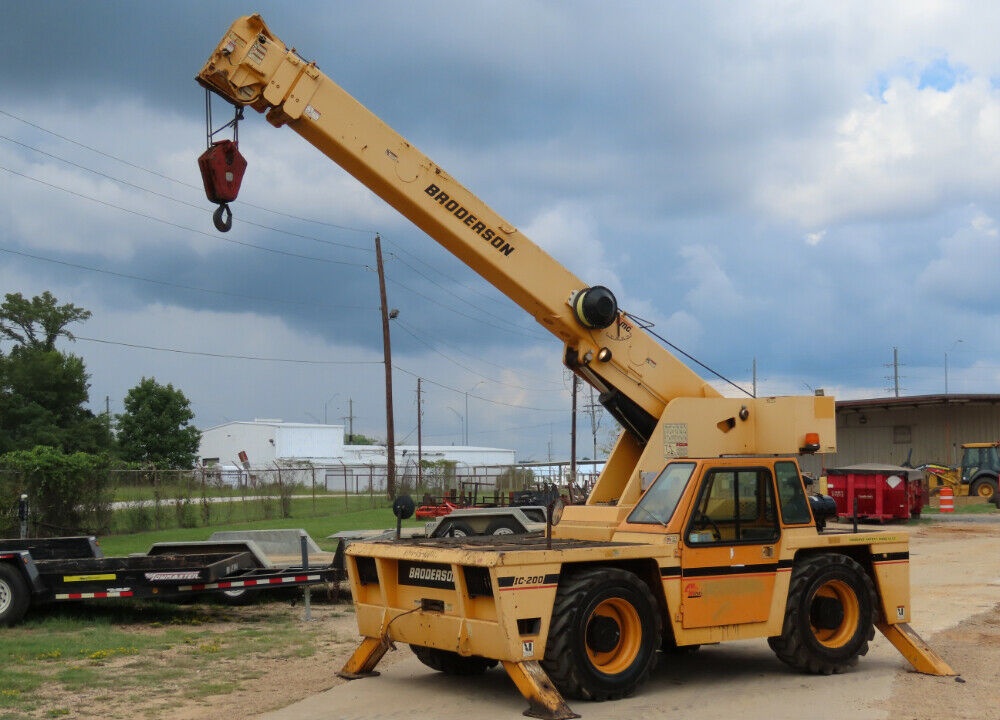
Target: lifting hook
x,y
223,218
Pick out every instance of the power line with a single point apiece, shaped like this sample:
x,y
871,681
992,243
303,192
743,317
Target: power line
x,y
178,226
228,356
126,183
127,276
127,163
443,386
478,374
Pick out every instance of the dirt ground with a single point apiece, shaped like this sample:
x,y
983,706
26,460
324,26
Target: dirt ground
x,y
955,576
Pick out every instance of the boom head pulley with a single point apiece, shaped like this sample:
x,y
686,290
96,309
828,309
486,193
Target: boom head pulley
x,y
595,307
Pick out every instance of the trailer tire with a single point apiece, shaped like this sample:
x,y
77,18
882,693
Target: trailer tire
x,y
829,616
451,663
605,632
456,528
504,526
14,596
237,597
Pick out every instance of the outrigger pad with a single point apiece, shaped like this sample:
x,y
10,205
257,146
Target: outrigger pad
x,y
915,650
367,655
544,700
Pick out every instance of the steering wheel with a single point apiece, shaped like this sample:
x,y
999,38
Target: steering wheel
x,y
703,521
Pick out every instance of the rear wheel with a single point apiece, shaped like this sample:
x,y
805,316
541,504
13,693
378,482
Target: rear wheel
x,y
456,528
451,663
985,488
14,597
238,596
605,632
504,526
829,617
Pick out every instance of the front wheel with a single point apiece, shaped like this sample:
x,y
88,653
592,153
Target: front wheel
x,y
606,628
829,616
14,596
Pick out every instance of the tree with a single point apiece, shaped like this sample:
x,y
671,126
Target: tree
x,y
42,390
154,427
42,393
36,323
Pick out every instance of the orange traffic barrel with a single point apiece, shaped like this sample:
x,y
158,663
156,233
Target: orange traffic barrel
x,y
947,500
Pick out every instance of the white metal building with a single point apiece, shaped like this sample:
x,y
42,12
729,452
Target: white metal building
x,y
270,444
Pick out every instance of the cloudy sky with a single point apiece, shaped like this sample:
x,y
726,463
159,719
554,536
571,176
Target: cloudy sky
x,y
806,186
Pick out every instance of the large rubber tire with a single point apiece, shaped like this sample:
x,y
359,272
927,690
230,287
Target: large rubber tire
x,y
504,526
985,489
829,617
14,596
605,632
237,597
451,663
456,528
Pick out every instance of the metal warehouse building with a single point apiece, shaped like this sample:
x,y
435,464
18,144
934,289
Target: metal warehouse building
x,y
263,445
921,429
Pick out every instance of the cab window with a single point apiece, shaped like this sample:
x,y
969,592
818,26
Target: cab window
x,y
734,506
658,504
794,505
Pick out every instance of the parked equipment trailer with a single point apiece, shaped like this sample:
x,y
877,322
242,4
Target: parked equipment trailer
x,y
36,571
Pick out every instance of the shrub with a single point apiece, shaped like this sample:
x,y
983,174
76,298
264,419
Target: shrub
x,y
66,493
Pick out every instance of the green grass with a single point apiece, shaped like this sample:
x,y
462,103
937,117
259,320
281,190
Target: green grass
x,y
324,517
126,649
977,508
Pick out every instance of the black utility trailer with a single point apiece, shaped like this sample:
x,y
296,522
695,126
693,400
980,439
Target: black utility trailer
x,y
36,571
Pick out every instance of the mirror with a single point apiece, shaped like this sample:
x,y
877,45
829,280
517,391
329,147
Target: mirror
x,y
403,507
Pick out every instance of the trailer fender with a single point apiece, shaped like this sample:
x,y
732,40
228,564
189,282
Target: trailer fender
x,y
23,563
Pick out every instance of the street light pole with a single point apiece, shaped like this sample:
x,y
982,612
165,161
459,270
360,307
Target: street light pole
x,y
326,406
466,424
953,346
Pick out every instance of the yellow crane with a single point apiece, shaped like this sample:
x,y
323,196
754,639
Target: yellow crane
x,y
699,529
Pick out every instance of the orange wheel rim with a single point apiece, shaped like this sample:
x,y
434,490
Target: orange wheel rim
x,y
842,593
621,637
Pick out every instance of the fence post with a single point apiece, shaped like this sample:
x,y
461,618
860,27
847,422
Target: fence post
x,y
22,513
303,542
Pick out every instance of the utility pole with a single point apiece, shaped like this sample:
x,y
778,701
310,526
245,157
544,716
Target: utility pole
x,y
420,442
390,431
895,369
572,440
350,420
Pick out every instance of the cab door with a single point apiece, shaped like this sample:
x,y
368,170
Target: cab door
x,y
728,555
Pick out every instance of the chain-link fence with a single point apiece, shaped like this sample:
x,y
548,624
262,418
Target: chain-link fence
x,y
103,501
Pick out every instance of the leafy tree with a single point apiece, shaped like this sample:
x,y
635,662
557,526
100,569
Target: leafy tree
x,y
154,427
41,403
36,323
42,390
